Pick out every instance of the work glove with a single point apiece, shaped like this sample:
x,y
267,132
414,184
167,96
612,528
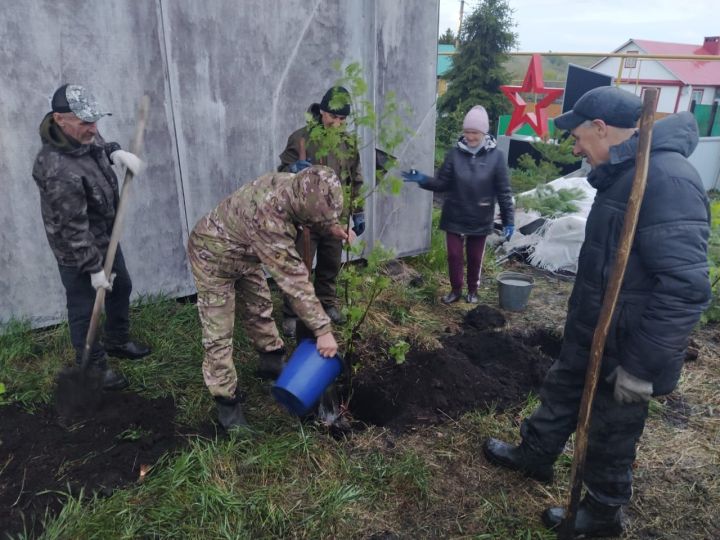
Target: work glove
x,y
99,279
299,165
414,176
133,163
508,231
358,223
629,388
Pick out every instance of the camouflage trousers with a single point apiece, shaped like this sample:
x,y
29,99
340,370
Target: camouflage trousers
x,y
220,274
615,429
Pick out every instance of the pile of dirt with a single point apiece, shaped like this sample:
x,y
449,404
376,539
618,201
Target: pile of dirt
x,y
41,455
479,368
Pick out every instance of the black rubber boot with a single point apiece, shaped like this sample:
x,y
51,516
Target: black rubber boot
x,y
593,519
111,380
114,381
230,413
518,458
336,316
130,350
270,364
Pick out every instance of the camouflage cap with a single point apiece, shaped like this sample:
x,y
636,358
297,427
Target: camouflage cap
x,y
317,195
79,101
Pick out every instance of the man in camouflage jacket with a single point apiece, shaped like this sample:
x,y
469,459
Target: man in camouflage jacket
x,y
78,200
256,227
324,141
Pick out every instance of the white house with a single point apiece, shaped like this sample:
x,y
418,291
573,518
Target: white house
x,y
679,81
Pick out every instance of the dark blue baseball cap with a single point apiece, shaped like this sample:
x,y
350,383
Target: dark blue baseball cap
x,y
613,106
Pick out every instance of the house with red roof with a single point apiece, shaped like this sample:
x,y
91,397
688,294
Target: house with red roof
x,y
680,82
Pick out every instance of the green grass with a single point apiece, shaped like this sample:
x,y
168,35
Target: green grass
x,y
285,479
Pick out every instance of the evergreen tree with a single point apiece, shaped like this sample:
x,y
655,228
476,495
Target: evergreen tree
x,y
478,69
448,38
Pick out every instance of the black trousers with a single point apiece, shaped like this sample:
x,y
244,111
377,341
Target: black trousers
x,y
615,429
81,298
327,267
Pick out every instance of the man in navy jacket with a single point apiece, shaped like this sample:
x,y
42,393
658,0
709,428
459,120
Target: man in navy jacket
x,y
665,290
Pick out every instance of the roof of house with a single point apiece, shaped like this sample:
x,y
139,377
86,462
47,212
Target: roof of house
x,y
705,73
444,59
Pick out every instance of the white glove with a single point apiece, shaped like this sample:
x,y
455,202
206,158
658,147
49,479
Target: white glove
x,y
629,388
129,160
98,279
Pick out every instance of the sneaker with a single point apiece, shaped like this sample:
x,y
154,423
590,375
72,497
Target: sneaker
x,y
472,298
451,297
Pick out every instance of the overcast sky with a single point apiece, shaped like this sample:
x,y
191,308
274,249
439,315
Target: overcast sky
x,y
599,25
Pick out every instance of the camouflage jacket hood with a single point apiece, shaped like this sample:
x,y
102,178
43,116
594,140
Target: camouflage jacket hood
x,y
78,196
259,224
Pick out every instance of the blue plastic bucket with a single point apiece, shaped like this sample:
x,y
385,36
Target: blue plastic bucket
x,y
305,377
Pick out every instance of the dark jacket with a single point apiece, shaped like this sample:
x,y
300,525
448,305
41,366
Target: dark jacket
x,y
345,162
666,285
78,196
473,182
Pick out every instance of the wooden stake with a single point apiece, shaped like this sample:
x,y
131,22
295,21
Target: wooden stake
x,y
612,292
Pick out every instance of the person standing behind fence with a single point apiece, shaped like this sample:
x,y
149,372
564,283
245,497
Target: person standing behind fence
x,y
474,176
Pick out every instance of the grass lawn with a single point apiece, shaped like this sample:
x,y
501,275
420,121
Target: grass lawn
x,y
292,479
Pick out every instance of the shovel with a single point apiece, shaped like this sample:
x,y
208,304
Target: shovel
x,y
79,388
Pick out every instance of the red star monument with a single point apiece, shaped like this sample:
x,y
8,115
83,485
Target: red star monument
x,y
533,83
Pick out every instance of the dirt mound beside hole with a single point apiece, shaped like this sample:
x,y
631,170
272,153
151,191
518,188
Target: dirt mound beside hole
x,y
96,454
474,370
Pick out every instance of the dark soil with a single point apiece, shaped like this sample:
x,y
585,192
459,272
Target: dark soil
x,y
41,455
479,368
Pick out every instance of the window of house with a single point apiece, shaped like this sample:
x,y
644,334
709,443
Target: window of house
x,y
697,96
631,63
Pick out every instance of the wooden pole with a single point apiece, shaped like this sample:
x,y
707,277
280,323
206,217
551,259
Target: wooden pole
x,y
627,235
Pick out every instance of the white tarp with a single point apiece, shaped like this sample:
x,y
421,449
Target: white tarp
x,y
556,245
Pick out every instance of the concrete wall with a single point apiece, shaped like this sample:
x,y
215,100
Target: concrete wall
x,y
228,82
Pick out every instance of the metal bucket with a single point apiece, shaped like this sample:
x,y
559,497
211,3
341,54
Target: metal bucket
x,y
514,290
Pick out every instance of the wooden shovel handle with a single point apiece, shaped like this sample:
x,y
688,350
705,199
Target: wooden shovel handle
x,y
612,293
135,148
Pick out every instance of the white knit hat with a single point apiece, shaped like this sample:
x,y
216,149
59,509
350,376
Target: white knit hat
x,y
477,119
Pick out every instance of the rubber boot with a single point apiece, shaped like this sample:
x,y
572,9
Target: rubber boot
x,y
519,458
270,364
230,413
111,380
336,316
593,519
288,326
